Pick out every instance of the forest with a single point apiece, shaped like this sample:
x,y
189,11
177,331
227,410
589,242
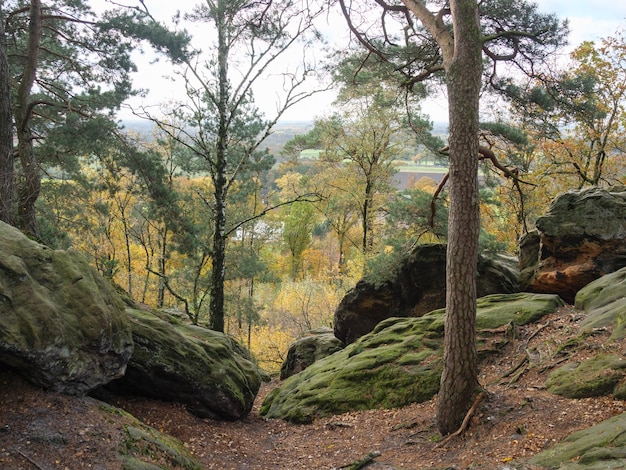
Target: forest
x,y
226,216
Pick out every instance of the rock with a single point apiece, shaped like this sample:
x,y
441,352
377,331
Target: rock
x,y
597,376
143,447
61,324
212,374
582,237
602,446
305,351
398,363
415,288
604,302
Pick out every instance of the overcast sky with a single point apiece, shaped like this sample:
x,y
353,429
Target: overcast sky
x,y
588,19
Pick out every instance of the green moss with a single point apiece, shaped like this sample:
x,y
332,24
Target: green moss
x,y
602,446
594,377
142,442
398,363
498,310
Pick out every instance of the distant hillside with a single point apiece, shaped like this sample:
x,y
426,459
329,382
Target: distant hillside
x,y
282,133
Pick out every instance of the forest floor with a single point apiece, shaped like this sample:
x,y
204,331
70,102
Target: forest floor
x,y
516,419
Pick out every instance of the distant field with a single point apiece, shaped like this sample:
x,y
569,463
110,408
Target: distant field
x,y
422,169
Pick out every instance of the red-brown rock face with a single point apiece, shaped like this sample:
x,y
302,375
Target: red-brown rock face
x,y
581,238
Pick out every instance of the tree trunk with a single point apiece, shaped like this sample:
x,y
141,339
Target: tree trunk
x,y
6,134
459,381
216,320
30,188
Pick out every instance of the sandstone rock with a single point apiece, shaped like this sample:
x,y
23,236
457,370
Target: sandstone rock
x,y
305,351
582,237
61,324
602,446
208,371
604,303
398,363
415,288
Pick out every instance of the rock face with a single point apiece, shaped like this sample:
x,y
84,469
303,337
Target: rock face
x,y
604,304
415,288
61,324
581,238
207,371
306,350
602,446
398,363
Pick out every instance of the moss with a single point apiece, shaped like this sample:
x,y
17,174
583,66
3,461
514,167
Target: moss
x,y
144,443
398,363
497,310
594,377
602,446
205,367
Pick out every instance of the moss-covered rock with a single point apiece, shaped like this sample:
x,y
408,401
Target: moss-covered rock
x,y
144,448
594,377
389,367
604,301
61,324
600,447
398,363
415,287
208,371
303,352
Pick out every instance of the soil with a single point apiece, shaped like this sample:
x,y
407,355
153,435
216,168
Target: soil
x,y
516,419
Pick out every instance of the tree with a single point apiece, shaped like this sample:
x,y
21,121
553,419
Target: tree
x,y
578,115
222,127
69,72
6,133
450,45
364,141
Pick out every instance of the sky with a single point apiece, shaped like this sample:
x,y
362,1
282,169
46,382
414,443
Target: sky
x,y
589,20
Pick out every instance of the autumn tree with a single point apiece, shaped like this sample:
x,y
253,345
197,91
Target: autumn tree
x,y
450,42
223,128
577,115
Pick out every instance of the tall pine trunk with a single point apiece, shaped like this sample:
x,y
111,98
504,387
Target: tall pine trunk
x,y
459,382
218,271
6,134
29,189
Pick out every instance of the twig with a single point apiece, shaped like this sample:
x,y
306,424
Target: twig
x,y
29,459
364,462
465,422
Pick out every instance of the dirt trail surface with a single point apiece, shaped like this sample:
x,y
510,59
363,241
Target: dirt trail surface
x,y
516,419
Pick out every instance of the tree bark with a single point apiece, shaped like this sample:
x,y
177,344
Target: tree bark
x,y
218,270
30,188
6,135
459,381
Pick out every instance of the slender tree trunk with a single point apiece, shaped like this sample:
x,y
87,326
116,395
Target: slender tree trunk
x,y
30,188
459,381
216,320
367,215
6,134
162,257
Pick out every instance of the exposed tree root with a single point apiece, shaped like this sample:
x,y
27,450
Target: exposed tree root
x,y
465,422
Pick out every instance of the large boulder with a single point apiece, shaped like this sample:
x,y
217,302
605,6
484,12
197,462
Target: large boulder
x,y
61,324
604,304
598,447
208,371
581,238
417,286
398,363
303,352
